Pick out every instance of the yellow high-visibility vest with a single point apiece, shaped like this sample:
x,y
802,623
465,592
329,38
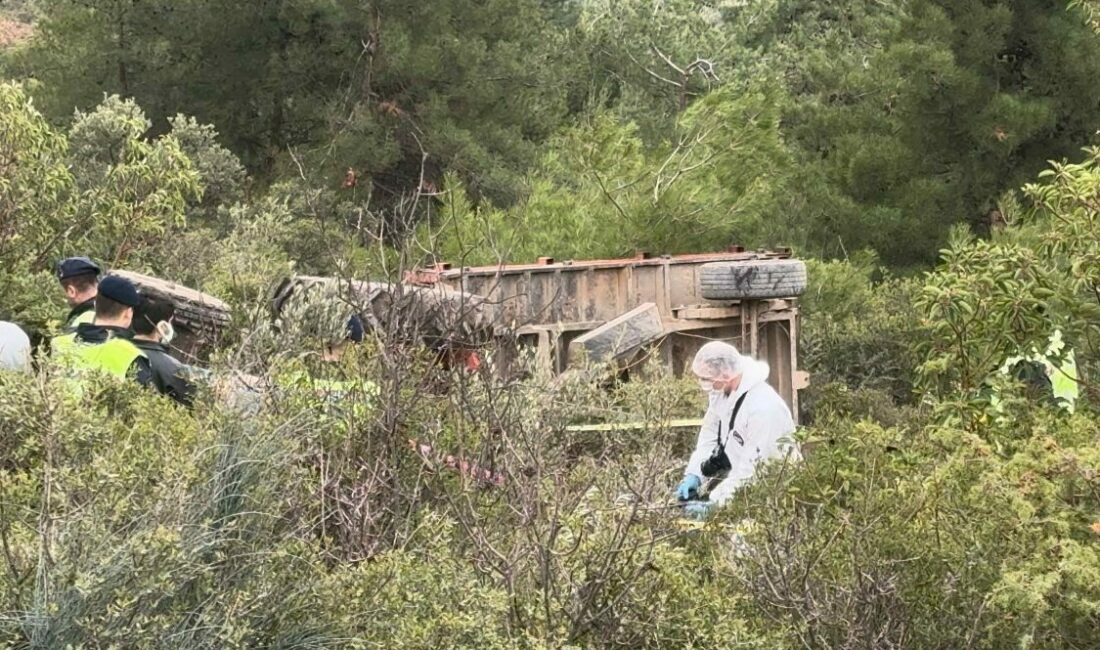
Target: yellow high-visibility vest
x,y
81,318
1060,364
114,356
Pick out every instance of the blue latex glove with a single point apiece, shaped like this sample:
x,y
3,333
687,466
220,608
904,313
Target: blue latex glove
x,y
689,487
699,509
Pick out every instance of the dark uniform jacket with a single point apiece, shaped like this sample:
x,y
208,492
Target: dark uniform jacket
x,y
167,372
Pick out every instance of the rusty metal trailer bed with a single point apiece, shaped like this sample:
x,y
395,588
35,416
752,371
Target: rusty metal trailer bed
x,y
614,308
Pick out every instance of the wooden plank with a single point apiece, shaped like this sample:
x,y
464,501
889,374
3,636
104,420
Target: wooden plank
x,y
621,335
800,379
559,327
775,316
686,325
754,330
703,312
544,356
666,294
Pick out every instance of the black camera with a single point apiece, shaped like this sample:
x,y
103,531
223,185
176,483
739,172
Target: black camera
x,y
718,463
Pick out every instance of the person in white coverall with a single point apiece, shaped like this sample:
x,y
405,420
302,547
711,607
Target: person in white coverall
x,y
762,428
15,348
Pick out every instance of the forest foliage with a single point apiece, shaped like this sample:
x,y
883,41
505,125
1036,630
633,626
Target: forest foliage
x,y
934,161
832,127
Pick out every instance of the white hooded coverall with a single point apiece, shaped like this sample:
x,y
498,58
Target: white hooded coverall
x,y
15,348
764,423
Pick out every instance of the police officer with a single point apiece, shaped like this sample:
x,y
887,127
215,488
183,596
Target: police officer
x,y
153,331
341,395
353,333
106,343
79,277
1050,375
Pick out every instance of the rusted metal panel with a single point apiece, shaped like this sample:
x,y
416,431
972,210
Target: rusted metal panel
x,y
690,324
777,348
446,272
609,287
635,328
561,300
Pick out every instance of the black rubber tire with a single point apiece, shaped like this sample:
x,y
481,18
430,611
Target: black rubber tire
x,y
752,279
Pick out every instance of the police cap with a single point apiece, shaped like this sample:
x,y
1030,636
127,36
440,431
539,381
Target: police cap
x,y
120,290
355,329
71,267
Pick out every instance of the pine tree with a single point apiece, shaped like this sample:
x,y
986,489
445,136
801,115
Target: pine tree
x,y
912,118
377,87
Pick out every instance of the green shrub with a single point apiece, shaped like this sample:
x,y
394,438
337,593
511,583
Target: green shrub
x,y
858,331
930,540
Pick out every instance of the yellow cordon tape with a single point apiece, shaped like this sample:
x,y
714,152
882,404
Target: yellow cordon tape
x,y
685,423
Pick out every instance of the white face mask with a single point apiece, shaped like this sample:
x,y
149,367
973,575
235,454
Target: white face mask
x,y
166,332
707,385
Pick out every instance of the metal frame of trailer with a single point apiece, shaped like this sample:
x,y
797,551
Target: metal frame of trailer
x,y
615,309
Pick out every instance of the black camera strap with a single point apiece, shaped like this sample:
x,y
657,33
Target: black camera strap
x,y
730,431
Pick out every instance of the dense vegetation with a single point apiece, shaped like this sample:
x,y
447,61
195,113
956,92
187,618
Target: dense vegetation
x,y
226,147
832,126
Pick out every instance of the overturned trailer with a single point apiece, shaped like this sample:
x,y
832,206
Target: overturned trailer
x,y
437,316
644,308
628,311
200,319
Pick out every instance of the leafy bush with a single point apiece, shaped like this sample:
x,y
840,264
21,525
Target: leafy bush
x,y
103,190
983,304
859,332
129,521
35,192
934,540
601,192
